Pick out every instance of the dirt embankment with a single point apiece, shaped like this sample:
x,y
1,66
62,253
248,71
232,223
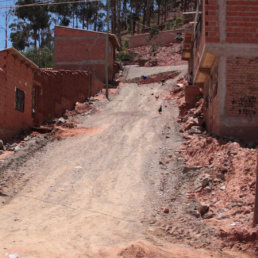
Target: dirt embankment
x,y
158,55
223,180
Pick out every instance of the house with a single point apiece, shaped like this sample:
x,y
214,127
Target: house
x,y
16,79
77,49
55,91
221,47
30,95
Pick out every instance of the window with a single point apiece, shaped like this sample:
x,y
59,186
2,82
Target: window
x,y
20,97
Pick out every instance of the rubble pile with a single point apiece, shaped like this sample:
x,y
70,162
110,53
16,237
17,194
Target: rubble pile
x,y
158,55
223,176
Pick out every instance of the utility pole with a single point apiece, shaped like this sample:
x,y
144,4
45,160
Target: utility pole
x,y
256,197
107,49
6,25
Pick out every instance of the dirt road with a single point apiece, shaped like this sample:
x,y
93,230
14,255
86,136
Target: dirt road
x,y
96,194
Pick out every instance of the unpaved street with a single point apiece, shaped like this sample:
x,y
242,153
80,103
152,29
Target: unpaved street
x,y
96,194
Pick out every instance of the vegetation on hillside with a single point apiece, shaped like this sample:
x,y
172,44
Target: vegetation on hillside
x,y
33,26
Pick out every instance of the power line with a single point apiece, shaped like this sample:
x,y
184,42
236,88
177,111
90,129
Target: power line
x,y
7,1
47,3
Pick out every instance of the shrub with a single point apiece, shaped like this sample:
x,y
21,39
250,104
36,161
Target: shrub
x,y
153,31
179,21
125,45
154,48
43,57
124,56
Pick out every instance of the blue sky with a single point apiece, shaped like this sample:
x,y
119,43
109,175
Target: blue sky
x,y
2,22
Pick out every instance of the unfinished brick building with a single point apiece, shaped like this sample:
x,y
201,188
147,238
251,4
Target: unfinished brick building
x,y
29,95
16,79
55,91
222,50
77,49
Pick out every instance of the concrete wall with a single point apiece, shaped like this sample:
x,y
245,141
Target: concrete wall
x,y
56,91
16,75
163,38
77,49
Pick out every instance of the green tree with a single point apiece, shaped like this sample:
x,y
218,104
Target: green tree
x,y
37,18
20,33
42,57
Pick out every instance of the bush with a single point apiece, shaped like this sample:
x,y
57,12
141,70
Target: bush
x,y
154,48
179,21
170,25
43,57
153,31
125,45
124,56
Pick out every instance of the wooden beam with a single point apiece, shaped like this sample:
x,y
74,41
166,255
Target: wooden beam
x,y
199,85
205,70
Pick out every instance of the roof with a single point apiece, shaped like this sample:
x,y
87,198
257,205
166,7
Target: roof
x,y
112,37
19,55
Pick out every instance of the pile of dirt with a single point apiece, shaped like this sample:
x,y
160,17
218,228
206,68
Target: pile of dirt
x,y
226,185
158,55
224,178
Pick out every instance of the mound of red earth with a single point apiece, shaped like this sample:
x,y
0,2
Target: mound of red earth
x,y
160,56
225,177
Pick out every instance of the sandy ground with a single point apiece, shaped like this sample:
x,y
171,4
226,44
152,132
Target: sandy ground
x,y
110,192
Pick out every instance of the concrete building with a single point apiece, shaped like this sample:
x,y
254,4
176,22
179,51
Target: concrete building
x,y
77,49
222,50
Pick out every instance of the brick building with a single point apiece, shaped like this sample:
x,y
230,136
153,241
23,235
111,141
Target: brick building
x,y
29,95
16,79
55,91
222,50
77,49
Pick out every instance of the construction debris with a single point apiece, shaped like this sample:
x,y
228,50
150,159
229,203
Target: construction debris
x,y
226,177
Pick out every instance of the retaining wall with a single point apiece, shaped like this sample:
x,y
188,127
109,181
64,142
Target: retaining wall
x,y
163,38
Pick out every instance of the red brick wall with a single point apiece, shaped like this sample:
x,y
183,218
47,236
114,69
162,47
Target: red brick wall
x,y
211,20
242,98
242,21
16,75
163,38
242,87
192,95
57,91
82,50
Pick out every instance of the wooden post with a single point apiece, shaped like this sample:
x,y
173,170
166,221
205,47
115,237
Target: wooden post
x,y
107,48
256,197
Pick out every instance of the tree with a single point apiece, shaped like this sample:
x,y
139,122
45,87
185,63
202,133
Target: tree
x,y
63,12
42,57
37,17
19,36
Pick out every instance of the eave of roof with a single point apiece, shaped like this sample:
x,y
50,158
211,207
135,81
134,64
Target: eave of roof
x,y
21,57
112,37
